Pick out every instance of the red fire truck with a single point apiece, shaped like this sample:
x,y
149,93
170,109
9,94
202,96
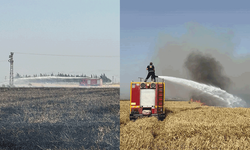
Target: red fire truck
x,y
147,99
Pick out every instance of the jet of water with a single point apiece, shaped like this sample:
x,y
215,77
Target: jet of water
x,y
229,99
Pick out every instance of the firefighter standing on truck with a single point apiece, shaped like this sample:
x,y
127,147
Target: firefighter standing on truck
x,y
151,71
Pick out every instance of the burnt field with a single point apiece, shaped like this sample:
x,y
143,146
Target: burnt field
x,y
187,126
59,118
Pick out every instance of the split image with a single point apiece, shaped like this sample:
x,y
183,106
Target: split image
x,y
124,74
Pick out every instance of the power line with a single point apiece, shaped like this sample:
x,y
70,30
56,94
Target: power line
x,y
64,55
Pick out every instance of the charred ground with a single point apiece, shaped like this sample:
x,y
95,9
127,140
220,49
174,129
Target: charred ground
x,y
59,118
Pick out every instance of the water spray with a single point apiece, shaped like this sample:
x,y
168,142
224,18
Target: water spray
x,y
229,99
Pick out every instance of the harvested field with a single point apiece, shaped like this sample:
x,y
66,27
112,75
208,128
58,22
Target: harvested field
x,y
187,126
59,118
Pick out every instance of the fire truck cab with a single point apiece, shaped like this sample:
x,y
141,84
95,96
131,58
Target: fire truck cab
x,y
147,99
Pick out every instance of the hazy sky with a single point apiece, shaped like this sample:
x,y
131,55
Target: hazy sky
x,y
166,32
79,27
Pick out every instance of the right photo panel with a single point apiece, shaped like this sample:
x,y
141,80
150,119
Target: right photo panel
x,y
184,75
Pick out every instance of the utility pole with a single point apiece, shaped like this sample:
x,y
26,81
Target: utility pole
x,y
11,68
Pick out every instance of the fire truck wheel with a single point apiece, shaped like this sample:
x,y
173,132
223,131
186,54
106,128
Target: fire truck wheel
x,y
161,117
132,117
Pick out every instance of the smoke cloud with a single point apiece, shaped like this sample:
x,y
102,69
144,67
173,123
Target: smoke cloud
x,y
204,68
203,55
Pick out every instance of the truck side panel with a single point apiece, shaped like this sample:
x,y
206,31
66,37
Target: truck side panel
x,y
135,96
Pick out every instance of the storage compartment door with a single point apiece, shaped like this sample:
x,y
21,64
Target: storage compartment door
x,y
147,97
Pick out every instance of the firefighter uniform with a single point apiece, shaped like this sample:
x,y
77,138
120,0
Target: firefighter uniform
x,y
151,72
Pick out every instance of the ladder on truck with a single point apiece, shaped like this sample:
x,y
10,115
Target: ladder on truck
x,y
160,99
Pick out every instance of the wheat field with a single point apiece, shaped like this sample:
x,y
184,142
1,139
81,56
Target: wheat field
x,y
187,126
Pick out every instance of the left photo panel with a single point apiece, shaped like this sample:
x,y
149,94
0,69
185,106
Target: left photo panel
x,y
60,75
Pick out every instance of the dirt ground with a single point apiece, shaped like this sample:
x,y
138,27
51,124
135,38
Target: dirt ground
x,y
187,126
59,118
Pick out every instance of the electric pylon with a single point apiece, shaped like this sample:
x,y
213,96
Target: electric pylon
x,y
11,69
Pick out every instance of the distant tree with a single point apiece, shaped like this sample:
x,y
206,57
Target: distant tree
x,y
18,75
104,78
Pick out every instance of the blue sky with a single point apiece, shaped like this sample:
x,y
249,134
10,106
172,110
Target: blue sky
x,y
80,27
148,26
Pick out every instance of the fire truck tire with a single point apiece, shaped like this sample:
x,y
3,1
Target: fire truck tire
x,y
132,117
161,117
